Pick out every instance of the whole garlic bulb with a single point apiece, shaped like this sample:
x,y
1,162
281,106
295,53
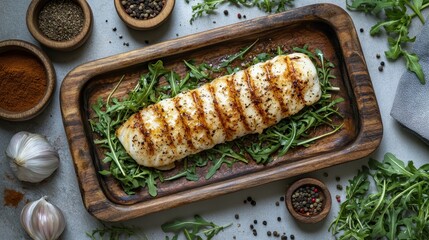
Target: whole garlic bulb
x,y
33,157
42,220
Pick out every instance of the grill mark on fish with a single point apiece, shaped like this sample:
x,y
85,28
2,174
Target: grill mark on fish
x,y
166,130
275,90
218,111
296,83
184,124
200,112
234,99
146,135
254,98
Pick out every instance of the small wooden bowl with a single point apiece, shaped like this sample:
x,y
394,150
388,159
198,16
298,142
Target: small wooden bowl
x,y
33,26
19,45
148,23
326,206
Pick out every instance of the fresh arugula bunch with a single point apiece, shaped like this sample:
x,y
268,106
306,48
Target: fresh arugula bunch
x,y
268,6
396,22
398,209
193,229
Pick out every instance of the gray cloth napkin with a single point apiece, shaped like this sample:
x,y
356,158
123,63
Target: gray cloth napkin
x,y
411,104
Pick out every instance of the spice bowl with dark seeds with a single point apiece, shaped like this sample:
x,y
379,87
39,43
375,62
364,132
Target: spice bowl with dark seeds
x,y
62,25
27,80
144,14
308,200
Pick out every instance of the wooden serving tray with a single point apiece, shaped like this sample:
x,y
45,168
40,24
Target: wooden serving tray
x,y
322,26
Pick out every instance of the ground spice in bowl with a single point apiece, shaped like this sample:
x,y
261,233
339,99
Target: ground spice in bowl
x,y
23,81
61,20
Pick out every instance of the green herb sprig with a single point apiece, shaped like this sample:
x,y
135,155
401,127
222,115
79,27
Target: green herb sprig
x,y
113,233
398,209
193,229
396,22
268,6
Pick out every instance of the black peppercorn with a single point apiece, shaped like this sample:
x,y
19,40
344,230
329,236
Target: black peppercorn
x,y
226,12
236,216
380,68
382,63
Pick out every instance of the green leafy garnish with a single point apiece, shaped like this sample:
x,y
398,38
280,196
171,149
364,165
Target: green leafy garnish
x,y
193,229
396,21
268,6
112,233
398,209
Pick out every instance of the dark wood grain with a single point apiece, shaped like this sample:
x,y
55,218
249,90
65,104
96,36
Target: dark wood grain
x,y
322,26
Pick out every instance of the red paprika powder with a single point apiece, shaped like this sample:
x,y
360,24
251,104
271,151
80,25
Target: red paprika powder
x,y
23,81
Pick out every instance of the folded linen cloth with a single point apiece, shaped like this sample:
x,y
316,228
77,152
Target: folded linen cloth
x,y
411,105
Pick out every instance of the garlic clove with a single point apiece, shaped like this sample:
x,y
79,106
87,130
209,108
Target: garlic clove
x,y
33,157
42,220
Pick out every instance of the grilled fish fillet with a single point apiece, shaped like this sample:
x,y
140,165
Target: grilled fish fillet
x,y
227,108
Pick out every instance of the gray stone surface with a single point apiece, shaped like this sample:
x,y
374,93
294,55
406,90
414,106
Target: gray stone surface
x,y
62,188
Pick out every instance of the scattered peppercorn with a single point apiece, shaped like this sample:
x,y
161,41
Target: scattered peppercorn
x,y
253,202
292,236
120,37
338,197
236,216
306,200
249,199
282,198
106,20
225,12
255,221
239,16
361,30
255,233
339,187
143,9
382,63
325,174
114,29
269,233
380,68
252,227
61,20
214,22
245,201
377,56
284,237
337,178
277,204
276,234
244,16
146,41
264,222
279,219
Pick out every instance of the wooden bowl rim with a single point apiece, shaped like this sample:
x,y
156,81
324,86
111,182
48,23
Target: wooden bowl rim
x,y
20,45
326,206
148,23
33,12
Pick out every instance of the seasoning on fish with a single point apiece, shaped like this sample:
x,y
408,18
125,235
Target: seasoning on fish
x,y
227,108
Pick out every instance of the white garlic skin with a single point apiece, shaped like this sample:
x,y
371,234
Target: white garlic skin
x,y
33,157
42,220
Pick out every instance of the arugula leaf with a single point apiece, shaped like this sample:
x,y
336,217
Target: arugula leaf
x,y
210,6
112,233
396,22
193,229
414,66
